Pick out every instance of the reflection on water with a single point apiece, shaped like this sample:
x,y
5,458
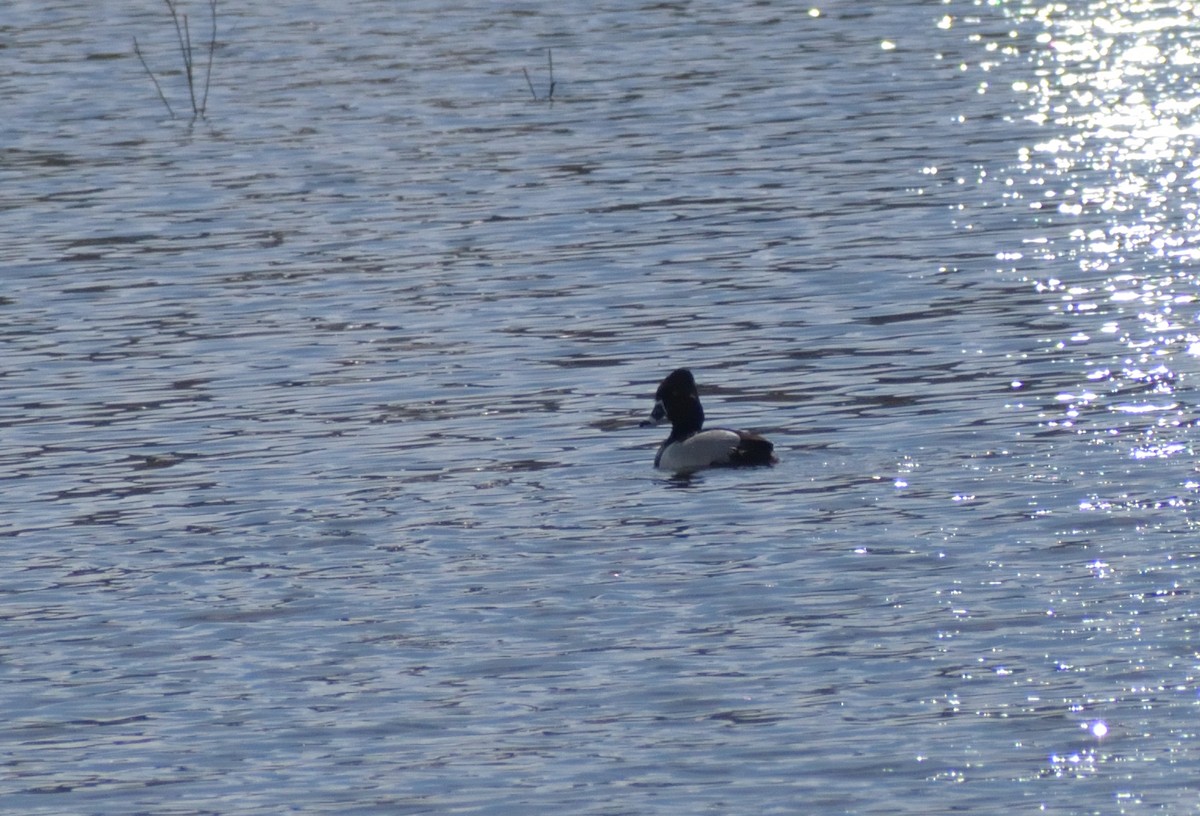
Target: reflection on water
x,y
1114,91
1111,187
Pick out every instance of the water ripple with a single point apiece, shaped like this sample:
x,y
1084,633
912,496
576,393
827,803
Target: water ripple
x,y
323,480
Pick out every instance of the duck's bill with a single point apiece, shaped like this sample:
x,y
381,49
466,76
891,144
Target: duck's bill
x,y
656,416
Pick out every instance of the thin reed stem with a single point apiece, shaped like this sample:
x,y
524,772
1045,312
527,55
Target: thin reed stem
x,y
530,82
549,97
187,34
138,50
185,49
183,37
212,46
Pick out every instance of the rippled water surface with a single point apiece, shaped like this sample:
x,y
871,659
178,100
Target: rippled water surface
x,y
323,486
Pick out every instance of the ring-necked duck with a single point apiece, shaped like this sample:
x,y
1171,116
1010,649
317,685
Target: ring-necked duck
x,y
688,448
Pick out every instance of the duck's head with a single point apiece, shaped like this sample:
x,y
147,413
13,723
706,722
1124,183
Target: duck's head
x,y
678,401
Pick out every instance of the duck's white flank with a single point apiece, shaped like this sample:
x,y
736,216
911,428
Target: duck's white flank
x,y
699,450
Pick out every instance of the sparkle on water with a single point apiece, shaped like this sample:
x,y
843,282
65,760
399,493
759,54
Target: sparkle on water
x,y
1113,90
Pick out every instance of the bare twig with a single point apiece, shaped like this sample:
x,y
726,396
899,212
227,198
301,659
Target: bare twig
x,y
549,97
187,35
212,46
183,36
137,50
185,50
528,80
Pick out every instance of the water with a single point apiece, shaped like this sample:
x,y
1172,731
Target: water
x,y
323,485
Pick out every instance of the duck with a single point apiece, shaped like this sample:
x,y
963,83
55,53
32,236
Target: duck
x,y
690,448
